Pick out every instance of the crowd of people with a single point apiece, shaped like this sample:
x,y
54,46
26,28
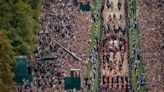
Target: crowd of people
x,y
61,22
64,24
150,23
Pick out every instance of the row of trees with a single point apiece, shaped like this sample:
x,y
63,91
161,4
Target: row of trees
x,y
18,26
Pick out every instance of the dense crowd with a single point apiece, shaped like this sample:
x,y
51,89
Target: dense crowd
x,y
61,22
150,20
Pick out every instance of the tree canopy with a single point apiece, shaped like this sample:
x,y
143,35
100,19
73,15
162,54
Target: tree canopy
x,y
6,63
19,24
20,19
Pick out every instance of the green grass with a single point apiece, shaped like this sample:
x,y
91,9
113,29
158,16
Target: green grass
x,y
137,37
99,30
130,42
99,21
88,89
134,81
89,68
142,88
91,45
96,76
135,7
128,2
141,67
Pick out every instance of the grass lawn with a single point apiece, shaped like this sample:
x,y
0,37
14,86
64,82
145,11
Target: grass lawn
x,y
89,68
99,21
91,45
141,67
134,81
99,30
137,37
130,42
135,7
96,77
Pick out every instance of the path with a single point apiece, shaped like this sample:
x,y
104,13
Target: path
x,y
114,50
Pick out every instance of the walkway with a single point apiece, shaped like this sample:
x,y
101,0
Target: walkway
x,y
114,51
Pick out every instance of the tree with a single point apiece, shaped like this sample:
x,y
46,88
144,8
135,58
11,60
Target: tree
x,y
19,24
6,64
20,19
22,36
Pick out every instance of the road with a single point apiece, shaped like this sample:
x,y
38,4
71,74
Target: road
x,y
114,50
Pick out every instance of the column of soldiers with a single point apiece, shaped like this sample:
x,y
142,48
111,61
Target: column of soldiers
x,y
114,78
